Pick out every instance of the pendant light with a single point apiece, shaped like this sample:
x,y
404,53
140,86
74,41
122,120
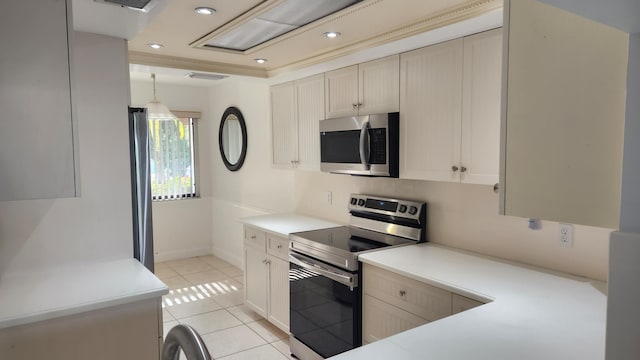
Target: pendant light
x,y
157,110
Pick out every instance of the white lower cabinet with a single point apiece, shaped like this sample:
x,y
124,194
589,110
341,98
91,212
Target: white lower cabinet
x,y
381,320
393,303
126,331
266,276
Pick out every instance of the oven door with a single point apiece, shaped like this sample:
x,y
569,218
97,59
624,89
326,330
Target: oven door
x,y
325,310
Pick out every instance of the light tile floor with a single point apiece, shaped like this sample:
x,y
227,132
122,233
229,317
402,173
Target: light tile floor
x,y
207,293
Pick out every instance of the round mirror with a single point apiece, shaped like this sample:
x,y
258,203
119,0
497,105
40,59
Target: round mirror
x,y
232,138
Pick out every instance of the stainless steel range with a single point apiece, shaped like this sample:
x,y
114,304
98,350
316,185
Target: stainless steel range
x,y
325,275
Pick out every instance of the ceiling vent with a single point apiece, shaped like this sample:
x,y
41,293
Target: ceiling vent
x,y
205,76
140,5
286,16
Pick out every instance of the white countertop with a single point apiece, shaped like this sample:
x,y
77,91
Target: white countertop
x,y
285,224
44,295
534,314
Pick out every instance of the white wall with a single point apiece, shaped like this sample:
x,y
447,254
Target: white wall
x,y
463,216
182,228
256,188
98,224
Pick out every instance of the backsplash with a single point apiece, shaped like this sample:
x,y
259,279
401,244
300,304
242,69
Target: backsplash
x,y
465,217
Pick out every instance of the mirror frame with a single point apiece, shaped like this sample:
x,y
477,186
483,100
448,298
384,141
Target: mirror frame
x,y
232,110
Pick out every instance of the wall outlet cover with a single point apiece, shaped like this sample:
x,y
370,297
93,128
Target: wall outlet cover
x,y
565,234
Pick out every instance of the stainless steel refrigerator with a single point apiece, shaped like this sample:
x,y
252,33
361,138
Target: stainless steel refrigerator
x,y
141,186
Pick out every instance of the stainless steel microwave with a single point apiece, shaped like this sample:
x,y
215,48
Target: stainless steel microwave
x,y
360,145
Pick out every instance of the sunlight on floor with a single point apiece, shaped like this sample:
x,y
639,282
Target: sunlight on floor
x,y
198,292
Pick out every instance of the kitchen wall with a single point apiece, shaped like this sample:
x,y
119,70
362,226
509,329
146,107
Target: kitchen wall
x,y
256,188
182,228
97,225
464,216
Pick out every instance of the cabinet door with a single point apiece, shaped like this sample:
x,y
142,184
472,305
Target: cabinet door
x,y
460,303
341,92
379,86
284,130
255,283
279,293
37,129
564,114
431,112
482,83
310,108
381,320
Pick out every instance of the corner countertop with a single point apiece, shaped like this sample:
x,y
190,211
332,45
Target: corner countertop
x,y
533,314
285,224
52,293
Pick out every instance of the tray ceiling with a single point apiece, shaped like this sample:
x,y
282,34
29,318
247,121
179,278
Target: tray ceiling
x,y
185,34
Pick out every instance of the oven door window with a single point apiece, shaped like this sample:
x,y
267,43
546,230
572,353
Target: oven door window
x,y
324,312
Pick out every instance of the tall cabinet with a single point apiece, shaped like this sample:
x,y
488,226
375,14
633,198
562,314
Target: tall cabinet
x,y
450,110
296,110
37,129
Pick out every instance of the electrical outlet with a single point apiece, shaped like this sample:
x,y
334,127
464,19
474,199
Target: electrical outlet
x,y
565,234
329,197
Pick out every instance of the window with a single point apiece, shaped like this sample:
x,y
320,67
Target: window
x,y
173,157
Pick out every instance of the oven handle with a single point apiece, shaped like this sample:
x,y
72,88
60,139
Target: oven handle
x,y
365,146
349,280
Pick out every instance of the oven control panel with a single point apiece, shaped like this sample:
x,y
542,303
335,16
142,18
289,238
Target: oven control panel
x,y
386,206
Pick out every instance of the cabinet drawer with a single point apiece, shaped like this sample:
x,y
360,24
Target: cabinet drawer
x,y
381,320
426,301
460,303
254,238
278,246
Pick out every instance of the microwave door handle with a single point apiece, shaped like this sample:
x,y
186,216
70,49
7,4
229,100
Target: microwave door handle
x,y
365,146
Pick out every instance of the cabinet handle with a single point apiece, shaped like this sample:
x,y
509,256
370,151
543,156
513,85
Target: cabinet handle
x,y
253,236
403,293
267,262
355,107
463,169
454,168
279,246
359,105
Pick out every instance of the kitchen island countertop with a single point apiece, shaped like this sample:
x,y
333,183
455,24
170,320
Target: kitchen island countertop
x,y
72,289
531,313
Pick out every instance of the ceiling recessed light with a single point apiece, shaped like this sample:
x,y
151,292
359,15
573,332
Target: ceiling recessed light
x,y
155,45
203,10
260,61
331,34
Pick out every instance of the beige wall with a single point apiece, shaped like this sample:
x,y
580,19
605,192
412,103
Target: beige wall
x,y
256,188
466,217
182,228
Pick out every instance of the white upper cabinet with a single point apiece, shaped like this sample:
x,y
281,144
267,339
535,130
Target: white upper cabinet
x,y
431,112
450,110
38,146
310,110
481,92
563,112
296,110
367,88
341,92
284,127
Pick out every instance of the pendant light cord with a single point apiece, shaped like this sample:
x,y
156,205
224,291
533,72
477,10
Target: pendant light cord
x,y
153,77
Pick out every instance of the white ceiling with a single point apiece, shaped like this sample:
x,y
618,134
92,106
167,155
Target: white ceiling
x,y
367,24
370,29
